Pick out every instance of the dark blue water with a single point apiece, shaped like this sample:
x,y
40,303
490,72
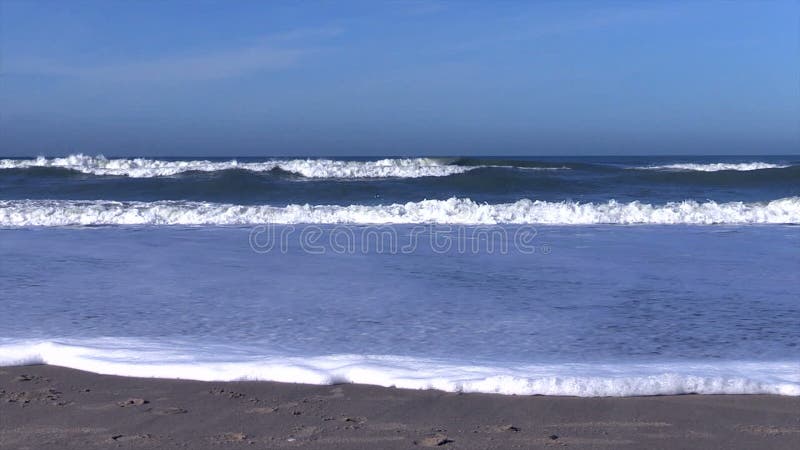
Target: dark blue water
x,y
493,180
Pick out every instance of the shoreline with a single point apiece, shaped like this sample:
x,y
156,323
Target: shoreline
x,y
44,406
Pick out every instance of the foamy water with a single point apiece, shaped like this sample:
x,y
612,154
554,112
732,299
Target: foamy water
x,y
20,213
310,168
716,167
127,357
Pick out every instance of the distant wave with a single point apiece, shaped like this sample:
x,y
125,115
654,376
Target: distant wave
x,y
20,213
716,167
520,164
146,359
341,169
310,168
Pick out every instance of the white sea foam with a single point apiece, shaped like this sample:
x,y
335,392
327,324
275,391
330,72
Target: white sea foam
x,y
716,167
21,213
506,166
311,168
131,358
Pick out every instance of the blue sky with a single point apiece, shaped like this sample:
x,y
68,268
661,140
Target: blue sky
x,y
399,77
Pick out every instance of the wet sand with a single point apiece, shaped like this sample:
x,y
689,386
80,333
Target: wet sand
x,y
54,407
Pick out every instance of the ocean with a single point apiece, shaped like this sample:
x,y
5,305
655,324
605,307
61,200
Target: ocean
x,y
587,276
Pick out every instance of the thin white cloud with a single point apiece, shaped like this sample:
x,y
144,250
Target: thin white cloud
x,y
275,52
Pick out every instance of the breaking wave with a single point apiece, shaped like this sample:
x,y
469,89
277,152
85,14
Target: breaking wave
x,y
21,213
128,357
716,167
310,168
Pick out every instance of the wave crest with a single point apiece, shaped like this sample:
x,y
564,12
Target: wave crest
x,y
310,168
130,358
716,167
21,213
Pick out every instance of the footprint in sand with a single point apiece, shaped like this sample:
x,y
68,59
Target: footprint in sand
x,y
132,402
130,438
231,437
434,441
34,378
44,395
266,410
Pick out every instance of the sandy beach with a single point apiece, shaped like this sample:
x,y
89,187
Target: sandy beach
x,y
54,407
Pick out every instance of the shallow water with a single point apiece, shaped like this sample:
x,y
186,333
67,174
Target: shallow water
x,y
645,298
